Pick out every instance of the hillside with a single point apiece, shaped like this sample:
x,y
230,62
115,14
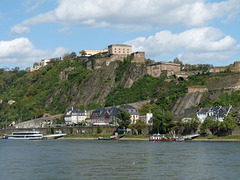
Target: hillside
x,y
60,85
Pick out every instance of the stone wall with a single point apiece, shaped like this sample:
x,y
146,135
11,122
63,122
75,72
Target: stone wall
x,y
40,122
138,57
236,66
197,89
233,67
218,69
115,57
163,67
91,130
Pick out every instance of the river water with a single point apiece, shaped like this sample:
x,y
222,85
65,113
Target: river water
x,y
92,159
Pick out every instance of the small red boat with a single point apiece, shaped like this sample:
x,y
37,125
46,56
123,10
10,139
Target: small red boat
x,y
158,137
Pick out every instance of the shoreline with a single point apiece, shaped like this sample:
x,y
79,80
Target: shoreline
x,y
147,139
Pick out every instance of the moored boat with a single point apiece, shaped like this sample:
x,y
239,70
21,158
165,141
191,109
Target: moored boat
x,y
158,137
31,135
22,135
110,138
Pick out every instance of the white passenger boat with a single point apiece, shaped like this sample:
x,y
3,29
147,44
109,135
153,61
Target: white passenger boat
x,y
28,135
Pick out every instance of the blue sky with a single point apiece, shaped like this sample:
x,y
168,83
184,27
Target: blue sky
x,y
196,31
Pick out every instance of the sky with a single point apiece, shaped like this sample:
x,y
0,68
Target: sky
x,y
195,31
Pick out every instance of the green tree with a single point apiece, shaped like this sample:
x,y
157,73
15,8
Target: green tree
x,y
39,112
35,64
228,123
83,53
81,106
140,125
236,115
124,118
162,121
210,123
192,124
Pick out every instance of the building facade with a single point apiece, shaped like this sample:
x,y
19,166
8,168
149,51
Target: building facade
x,y
44,62
216,112
104,115
75,116
133,112
120,49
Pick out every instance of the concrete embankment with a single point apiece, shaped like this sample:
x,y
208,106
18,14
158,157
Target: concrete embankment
x,y
147,139
216,140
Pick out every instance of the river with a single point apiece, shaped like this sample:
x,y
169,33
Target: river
x,y
92,159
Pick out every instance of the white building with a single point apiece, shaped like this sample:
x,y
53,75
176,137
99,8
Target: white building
x,y
149,118
133,113
44,62
217,112
75,116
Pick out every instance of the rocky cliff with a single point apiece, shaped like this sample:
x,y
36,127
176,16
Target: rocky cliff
x,y
216,86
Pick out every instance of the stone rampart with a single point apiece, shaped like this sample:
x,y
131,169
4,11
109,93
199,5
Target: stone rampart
x,y
163,68
138,57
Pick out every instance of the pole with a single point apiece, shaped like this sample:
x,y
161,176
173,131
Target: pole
x,y
6,127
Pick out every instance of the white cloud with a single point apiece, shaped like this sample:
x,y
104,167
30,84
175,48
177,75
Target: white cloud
x,y
21,52
32,5
135,14
197,45
65,30
19,29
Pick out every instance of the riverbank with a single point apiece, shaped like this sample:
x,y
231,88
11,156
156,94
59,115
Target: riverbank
x,y
216,140
147,139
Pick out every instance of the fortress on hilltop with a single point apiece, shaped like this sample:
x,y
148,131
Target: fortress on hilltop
x,y
96,59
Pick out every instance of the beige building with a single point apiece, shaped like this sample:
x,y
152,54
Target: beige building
x,y
119,49
31,69
163,68
91,52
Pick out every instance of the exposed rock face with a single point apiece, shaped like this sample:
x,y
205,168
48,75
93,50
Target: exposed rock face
x,y
129,83
224,82
101,82
217,84
188,101
64,74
